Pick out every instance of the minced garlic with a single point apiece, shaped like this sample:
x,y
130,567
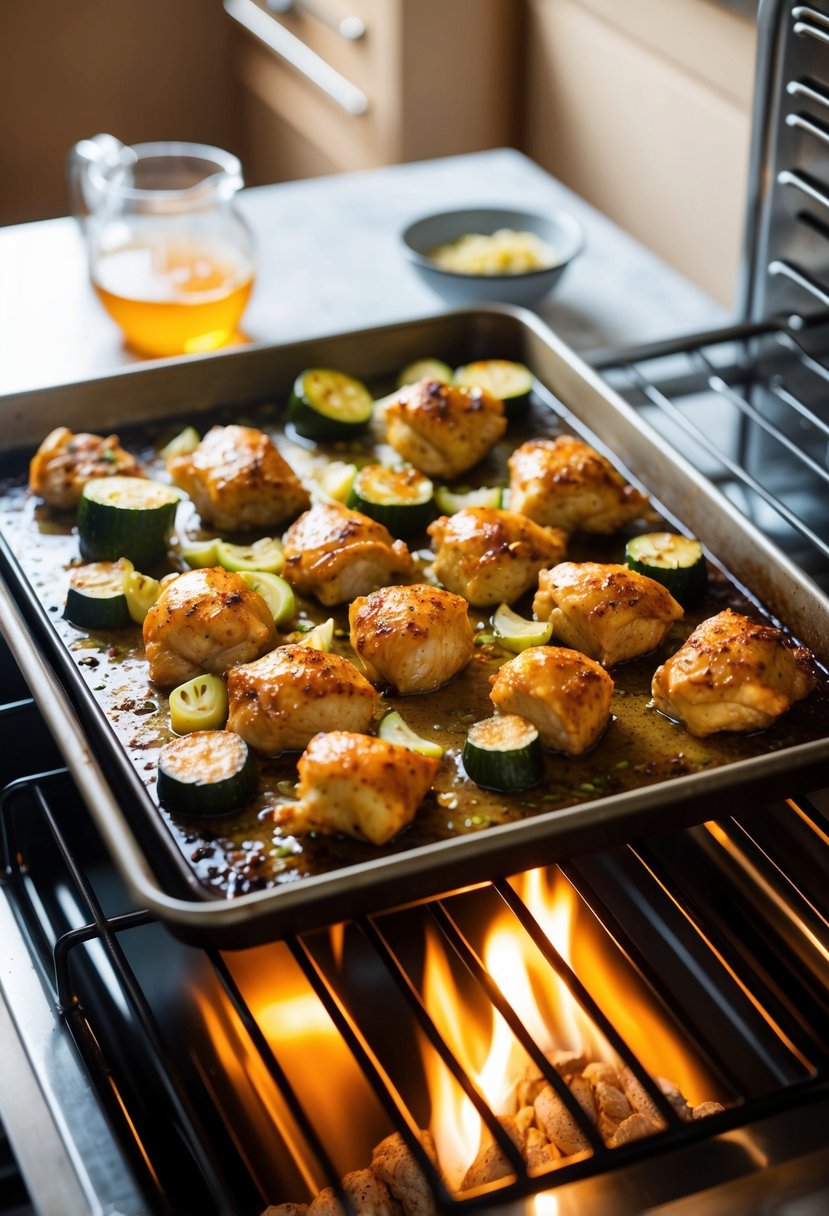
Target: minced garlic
x,y
503,252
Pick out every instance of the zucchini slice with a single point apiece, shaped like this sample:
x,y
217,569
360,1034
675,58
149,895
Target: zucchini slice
x,y
265,554
512,382
393,729
208,772
425,369
276,593
503,754
97,597
336,479
516,633
451,501
326,404
400,499
200,704
126,517
321,637
182,445
141,591
200,554
677,562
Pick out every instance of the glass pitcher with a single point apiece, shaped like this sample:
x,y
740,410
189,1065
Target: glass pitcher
x,y
170,257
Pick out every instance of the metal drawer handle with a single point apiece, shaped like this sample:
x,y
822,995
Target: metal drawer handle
x,y
801,279
351,28
787,177
802,123
294,52
809,31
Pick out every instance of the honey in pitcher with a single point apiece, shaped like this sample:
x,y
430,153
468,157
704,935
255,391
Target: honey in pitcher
x,y
172,299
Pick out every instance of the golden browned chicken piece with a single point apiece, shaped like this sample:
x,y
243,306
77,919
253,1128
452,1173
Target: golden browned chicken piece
x,y
361,786
64,463
608,612
492,556
412,638
732,674
237,480
205,620
280,702
442,429
335,553
564,694
564,483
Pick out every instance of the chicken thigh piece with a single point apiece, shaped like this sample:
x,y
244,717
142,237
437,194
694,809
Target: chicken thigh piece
x,y
565,695
491,556
205,621
732,674
442,429
564,483
361,786
280,702
64,463
335,553
608,612
238,480
412,638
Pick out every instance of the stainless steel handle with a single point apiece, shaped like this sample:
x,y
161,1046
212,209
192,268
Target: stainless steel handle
x,y
351,28
300,57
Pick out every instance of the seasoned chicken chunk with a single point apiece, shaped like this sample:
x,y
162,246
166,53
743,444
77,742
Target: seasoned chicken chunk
x,y
64,463
732,674
281,701
237,480
444,429
205,621
564,483
367,1195
413,638
335,553
360,786
565,695
608,612
492,556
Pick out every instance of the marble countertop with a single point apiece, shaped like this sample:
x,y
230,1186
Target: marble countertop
x,y
329,260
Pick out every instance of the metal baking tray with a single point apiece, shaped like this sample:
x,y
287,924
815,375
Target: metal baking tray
x,y
134,831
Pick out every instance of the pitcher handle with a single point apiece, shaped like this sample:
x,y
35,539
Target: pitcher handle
x,y
100,149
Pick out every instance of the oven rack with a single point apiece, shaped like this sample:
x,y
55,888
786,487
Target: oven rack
x,y
709,966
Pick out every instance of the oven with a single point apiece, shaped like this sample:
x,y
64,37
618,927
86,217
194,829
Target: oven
x,y
382,1062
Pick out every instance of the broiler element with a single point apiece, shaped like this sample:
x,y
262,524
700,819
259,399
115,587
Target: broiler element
x,y
65,462
444,429
608,612
412,638
491,556
564,483
336,554
359,785
205,621
564,694
238,480
280,702
732,674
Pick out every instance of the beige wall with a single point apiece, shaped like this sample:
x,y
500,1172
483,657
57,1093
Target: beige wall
x,y
643,107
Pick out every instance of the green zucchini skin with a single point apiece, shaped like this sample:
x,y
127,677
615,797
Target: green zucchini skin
x,y
425,369
198,793
109,608
400,499
677,562
327,404
113,521
511,382
513,759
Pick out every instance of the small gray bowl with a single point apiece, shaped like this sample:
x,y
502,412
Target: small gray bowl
x,y
557,228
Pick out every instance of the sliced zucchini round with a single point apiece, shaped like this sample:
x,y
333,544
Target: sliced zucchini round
x,y
400,499
200,554
265,554
503,754
276,593
393,729
141,591
326,404
516,633
336,480
182,445
126,517
451,501
97,597
511,382
425,369
200,704
677,562
321,637
206,773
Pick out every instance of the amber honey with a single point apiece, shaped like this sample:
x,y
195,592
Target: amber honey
x,y
174,299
